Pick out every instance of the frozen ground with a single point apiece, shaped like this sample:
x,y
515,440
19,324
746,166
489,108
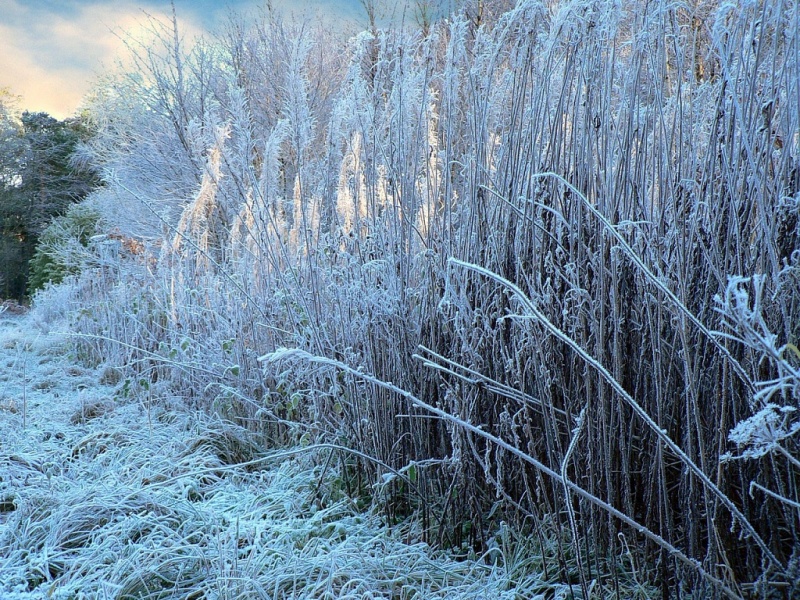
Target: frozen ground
x,y
103,497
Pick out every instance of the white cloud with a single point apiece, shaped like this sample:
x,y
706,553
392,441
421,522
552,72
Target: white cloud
x,y
51,58
51,51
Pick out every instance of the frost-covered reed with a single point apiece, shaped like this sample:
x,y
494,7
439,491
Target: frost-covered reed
x,y
631,170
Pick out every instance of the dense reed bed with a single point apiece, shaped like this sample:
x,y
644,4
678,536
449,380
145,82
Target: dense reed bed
x,y
543,262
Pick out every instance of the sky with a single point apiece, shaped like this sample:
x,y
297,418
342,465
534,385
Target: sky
x,y
52,50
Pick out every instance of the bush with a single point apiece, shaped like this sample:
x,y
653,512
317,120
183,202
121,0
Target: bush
x,y
63,247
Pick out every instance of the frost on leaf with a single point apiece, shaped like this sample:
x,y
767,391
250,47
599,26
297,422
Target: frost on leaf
x,y
763,432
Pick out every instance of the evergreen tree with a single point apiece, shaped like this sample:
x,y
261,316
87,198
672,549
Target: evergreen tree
x,y
38,182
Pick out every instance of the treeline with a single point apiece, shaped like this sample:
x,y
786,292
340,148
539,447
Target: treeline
x,y
541,265
40,179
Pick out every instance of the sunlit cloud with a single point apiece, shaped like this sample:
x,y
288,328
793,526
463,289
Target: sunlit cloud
x,y
50,58
50,52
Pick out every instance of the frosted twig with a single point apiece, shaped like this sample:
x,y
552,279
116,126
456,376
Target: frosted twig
x,y
772,494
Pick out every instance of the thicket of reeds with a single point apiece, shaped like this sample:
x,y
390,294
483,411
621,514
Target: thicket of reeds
x,y
541,262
